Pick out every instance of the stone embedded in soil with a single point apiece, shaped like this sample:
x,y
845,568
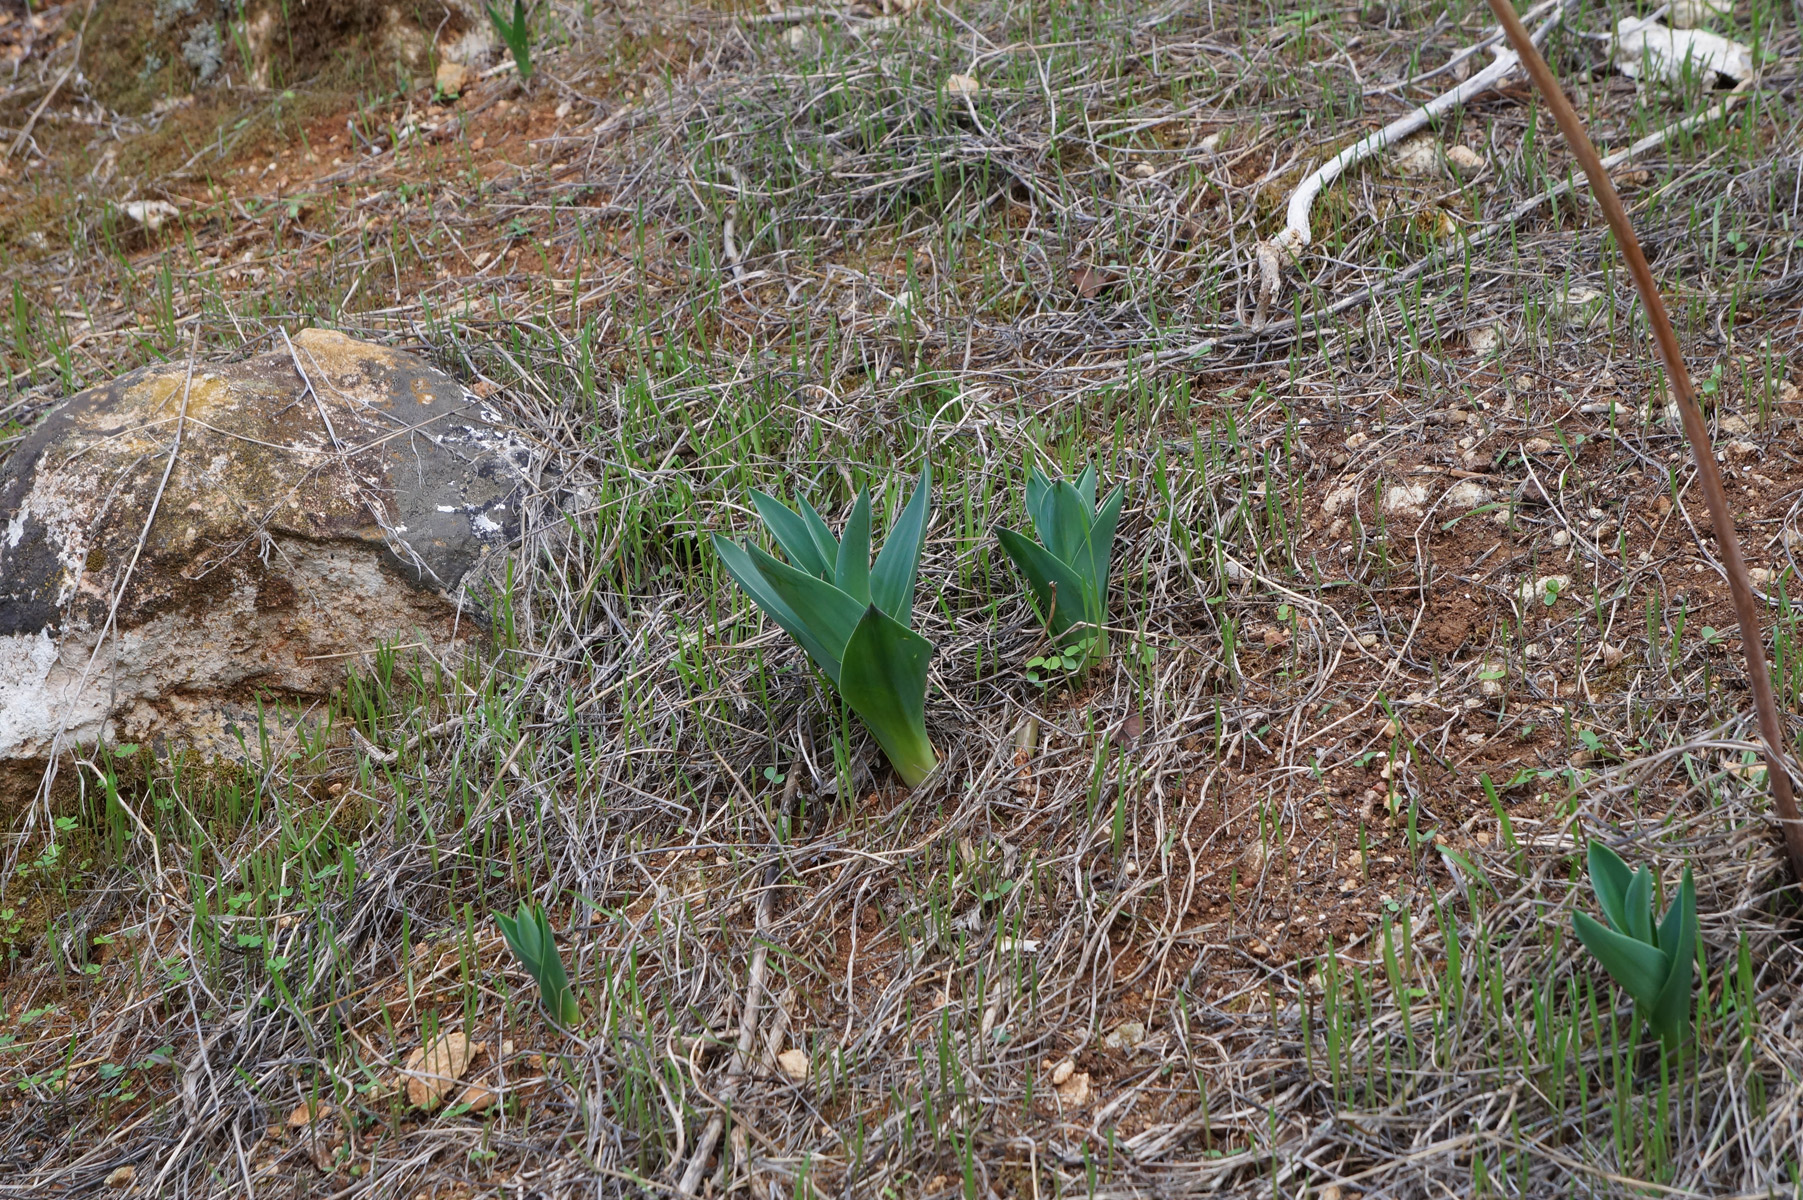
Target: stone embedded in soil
x,y
1125,1036
1464,158
281,547
1466,495
1405,499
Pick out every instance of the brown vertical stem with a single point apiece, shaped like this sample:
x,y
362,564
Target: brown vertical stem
x,y
1752,637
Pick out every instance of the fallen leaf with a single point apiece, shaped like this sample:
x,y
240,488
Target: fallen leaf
x,y
307,1113
1090,282
432,1070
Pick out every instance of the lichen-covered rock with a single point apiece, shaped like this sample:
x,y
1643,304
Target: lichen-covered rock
x,y
320,501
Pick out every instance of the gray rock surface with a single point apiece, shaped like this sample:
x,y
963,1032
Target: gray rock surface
x,y
321,501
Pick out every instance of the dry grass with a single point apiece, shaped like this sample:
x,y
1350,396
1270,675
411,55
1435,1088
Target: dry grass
x,y
1286,880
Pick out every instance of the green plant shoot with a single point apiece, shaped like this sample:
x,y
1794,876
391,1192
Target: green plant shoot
x,y
1655,966
853,619
530,936
1067,569
514,34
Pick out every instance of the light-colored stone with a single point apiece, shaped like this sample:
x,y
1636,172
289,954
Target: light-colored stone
x,y
1418,155
1405,499
794,1064
1125,1036
151,214
299,527
1484,338
1650,50
1466,495
1074,1091
804,40
1464,158
1579,305
962,85
1340,500
433,1070
1537,590
451,78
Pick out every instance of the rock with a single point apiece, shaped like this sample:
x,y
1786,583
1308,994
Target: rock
x,y
1405,499
1647,49
121,1177
794,1064
804,40
272,559
1546,588
962,85
478,1097
1074,1091
1483,339
1341,499
451,78
151,214
1464,158
1466,495
1578,305
1125,1036
1418,155
434,1070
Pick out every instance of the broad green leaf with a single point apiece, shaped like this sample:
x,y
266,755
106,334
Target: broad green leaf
x,y
852,572
749,575
1042,571
1086,488
824,541
1638,906
1669,1014
1040,505
892,579
1068,539
792,534
1101,543
1671,929
534,943
884,680
1609,878
827,613
1640,969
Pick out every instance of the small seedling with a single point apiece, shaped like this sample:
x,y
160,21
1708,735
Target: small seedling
x,y
853,619
1655,967
1067,569
534,943
513,33
1046,669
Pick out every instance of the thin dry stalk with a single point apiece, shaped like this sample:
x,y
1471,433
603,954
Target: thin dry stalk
x,y
1752,636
